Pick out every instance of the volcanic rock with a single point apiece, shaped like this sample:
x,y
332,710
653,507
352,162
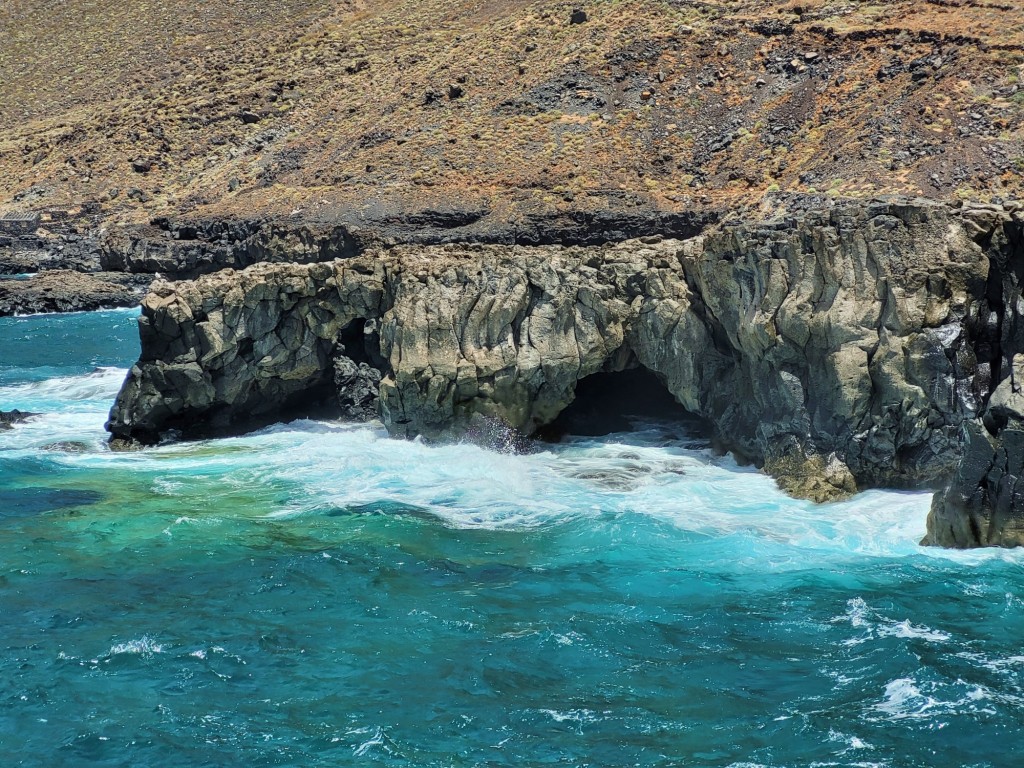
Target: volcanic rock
x,y
9,418
67,291
839,349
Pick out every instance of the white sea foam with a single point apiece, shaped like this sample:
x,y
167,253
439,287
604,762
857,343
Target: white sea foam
x,y
143,646
68,408
466,486
70,315
1008,664
655,473
907,630
572,715
62,392
851,742
875,625
903,699
908,699
379,740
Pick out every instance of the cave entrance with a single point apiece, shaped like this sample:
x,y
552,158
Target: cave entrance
x,y
360,342
358,368
616,402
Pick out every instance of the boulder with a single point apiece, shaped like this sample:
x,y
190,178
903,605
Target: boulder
x,y
358,386
9,418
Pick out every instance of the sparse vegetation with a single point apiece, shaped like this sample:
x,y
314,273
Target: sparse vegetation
x,y
410,100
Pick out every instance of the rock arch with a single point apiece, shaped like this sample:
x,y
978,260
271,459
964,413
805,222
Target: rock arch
x,y
617,401
839,351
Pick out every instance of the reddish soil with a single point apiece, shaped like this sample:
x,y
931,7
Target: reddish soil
x,y
176,108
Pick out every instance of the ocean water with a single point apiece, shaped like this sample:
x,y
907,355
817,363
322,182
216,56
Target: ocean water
x,y
317,594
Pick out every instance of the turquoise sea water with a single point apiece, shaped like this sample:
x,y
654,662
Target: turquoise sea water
x,y
317,594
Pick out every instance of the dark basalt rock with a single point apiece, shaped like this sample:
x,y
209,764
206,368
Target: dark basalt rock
x,y
984,503
187,249
63,249
358,386
9,418
839,349
67,291
833,341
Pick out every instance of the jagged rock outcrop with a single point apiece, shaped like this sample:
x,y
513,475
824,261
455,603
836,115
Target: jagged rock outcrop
x,y
839,350
70,244
184,250
236,348
357,372
984,503
9,418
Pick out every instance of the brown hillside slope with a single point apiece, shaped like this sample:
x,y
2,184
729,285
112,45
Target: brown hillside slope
x,y
168,107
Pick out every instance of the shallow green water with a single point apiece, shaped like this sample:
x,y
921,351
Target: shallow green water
x,y
319,595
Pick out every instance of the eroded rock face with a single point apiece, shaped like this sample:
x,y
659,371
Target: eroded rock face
x,y
187,250
841,350
984,503
358,387
240,347
841,339
183,249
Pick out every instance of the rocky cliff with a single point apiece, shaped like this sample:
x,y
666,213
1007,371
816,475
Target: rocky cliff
x,y
984,504
843,349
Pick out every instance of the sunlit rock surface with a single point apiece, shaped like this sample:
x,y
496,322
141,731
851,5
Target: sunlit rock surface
x,y
840,350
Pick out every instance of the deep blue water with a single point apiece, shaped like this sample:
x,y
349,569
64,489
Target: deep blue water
x,y
317,594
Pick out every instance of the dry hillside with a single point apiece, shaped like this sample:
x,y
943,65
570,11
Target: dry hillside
x,y
171,107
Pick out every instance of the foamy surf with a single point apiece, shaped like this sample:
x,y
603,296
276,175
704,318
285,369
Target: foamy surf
x,y
316,593
658,471
62,392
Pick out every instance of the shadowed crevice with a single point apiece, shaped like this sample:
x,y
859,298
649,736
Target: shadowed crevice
x,y
613,402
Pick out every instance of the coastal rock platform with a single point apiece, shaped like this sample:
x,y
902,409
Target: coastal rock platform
x,y
62,290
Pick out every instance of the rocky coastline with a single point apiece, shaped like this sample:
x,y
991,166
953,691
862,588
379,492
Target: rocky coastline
x,y
56,266
842,347
869,344
62,290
